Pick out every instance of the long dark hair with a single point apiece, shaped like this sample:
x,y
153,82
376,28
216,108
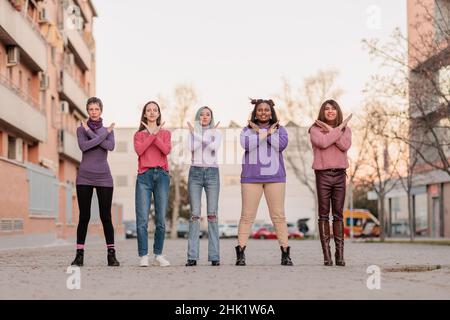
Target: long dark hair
x,y
339,117
271,104
144,119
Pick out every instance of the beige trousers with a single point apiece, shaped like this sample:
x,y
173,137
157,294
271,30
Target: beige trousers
x,y
251,196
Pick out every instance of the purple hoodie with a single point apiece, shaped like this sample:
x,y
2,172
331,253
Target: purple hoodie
x,y
263,160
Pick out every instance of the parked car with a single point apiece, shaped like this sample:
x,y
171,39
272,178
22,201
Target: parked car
x,y
294,233
268,232
183,231
228,230
130,229
256,226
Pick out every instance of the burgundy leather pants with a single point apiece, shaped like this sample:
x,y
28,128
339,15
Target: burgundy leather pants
x,y
331,190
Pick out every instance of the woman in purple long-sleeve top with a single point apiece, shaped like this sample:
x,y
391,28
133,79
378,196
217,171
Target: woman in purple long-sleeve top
x,y
95,141
263,171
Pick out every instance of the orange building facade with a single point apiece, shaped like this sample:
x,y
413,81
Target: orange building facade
x,y
47,73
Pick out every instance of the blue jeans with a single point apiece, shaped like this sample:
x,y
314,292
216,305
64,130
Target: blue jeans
x,y
207,178
154,181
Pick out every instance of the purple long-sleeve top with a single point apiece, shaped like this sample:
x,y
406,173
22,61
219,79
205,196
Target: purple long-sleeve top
x,y
263,159
94,169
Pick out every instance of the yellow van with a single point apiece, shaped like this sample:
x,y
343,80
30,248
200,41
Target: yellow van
x,y
365,224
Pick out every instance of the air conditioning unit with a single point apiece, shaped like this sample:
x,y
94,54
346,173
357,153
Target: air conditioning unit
x,y
47,163
43,16
44,81
13,56
64,107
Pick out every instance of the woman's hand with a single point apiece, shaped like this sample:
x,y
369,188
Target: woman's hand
x,y
253,126
345,122
191,128
84,124
158,128
273,128
147,127
111,127
323,125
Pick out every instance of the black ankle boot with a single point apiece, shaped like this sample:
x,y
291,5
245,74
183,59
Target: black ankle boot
x,y
112,261
215,263
78,261
191,263
285,258
240,255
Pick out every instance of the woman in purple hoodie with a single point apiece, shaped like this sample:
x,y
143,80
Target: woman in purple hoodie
x,y
263,172
95,141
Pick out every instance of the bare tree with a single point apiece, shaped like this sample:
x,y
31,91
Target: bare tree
x,y
184,98
301,108
417,70
381,157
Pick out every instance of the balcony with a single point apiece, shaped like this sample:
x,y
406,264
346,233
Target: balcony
x,y
16,30
80,48
72,92
21,111
68,145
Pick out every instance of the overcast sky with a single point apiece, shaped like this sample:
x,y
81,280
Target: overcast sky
x,y
232,50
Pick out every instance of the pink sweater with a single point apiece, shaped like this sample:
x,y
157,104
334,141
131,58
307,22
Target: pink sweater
x,y
330,148
152,150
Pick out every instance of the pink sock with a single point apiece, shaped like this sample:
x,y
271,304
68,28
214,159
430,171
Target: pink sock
x,y
80,246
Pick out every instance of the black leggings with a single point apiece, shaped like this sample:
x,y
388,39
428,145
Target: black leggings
x,y
104,195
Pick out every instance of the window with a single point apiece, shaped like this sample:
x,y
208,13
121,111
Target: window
x,y
53,54
420,203
28,88
121,181
357,222
53,113
11,148
15,148
122,146
442,21
444,83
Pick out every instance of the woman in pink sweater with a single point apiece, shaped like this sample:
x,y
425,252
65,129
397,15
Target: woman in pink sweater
x,y
152,145
330,139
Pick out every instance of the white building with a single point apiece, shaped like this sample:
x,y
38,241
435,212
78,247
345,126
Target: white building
x,y
123,162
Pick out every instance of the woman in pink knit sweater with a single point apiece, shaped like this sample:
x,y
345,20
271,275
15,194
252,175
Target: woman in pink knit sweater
x,y
330,139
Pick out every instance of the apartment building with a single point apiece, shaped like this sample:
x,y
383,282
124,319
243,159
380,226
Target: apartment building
x,y
429,91
47,72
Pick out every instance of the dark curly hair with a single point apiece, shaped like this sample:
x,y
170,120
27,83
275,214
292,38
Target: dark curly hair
x,y
271,104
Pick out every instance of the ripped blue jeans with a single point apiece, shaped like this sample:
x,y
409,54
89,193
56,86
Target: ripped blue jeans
x,y
203,178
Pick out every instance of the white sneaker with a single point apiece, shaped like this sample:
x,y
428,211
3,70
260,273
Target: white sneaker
x,y
160,261
144,261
